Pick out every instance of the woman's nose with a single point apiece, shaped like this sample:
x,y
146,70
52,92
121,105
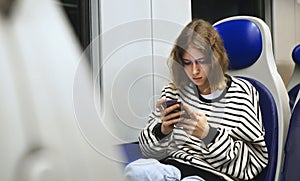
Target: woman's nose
x,y
196,68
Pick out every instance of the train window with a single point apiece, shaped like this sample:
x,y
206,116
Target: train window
x,y
214,10
77,12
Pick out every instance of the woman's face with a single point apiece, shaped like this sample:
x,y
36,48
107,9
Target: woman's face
x,y
197,67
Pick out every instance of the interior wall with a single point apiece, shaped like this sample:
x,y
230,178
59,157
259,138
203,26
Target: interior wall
x,y
286,34
167,24
126,66
297,20
135,43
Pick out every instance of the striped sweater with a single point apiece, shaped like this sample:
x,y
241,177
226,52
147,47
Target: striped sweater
x,y
237,152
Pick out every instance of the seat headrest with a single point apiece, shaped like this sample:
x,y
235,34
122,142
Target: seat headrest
x,y
243,42
296,54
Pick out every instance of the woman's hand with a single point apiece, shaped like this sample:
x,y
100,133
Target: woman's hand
x,y
169,119
196,125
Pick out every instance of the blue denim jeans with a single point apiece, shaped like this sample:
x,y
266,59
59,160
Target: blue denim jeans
x,y
153,170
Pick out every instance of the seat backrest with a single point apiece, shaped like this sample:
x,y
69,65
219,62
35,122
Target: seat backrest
x,y
294,84
131,152
292,147
249,46
270,123
294,95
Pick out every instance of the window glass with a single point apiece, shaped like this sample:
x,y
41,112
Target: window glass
x,y
214,10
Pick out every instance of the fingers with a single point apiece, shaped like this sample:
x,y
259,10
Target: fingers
x,y
172,122
170,110
172,117
168,125
196,128
159,104
196,125
200,115
195,115
169,116
181,115
190,112
175,108
187,124
188,109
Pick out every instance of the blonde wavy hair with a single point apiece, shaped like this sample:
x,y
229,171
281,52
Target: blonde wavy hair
x,y
200,34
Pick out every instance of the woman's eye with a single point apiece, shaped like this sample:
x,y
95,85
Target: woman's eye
x,y
203,61
187,62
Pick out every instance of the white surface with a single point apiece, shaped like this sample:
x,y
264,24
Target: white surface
x,y
135,43
47,102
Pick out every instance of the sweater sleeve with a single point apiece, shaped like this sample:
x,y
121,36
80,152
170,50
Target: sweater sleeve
x,y
241,152
153,143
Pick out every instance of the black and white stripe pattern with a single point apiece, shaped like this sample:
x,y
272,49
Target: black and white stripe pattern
x,y
238,151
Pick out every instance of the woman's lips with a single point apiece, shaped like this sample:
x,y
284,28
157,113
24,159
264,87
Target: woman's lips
x,y
197,78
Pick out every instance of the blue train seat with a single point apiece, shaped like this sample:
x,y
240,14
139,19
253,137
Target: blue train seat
x,y
131,152
292,147
249,46
270,122
294,84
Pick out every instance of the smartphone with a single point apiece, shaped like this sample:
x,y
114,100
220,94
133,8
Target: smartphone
x,y
172,102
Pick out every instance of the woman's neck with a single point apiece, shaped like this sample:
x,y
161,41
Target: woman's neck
x,y
204,91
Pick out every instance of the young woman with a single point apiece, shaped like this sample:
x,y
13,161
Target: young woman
x,y
218,132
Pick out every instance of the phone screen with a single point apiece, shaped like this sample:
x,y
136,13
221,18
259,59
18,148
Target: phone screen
x,y
172,102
